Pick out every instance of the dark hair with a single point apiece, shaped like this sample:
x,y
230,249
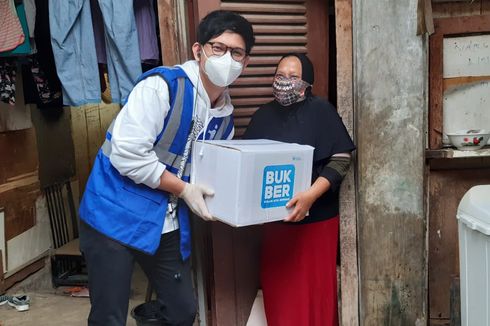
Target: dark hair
x,y
217,22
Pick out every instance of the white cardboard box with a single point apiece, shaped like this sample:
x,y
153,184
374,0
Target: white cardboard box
x,y
252,179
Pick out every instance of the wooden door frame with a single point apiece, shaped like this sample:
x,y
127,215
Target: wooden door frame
x,y
349,273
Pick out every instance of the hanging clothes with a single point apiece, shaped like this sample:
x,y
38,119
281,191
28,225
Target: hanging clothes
x,y
37,89
11,34
71,31
123,58
99,32
7,80
145,17
30,9
45,58
25,47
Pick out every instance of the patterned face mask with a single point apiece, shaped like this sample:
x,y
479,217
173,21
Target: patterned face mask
x,y
288,90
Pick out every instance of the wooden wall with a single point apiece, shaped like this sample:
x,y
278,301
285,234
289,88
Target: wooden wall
x,y
448,180
448,183
19,181
461,8
89,124
19,187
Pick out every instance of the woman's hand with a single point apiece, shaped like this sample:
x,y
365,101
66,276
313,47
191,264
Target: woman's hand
x,y
303,200
301,203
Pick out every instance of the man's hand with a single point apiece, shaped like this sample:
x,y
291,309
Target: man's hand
x,y
193,195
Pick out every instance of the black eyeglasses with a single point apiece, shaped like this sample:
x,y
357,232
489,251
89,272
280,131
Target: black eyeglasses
x,y
219,49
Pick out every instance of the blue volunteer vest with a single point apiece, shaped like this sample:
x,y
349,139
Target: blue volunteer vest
x,y
133,214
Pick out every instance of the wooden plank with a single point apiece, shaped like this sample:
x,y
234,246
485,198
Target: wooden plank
x,y
20,208
95,135
19,182
168,34
439,322
71,248
274,49
446,188
241,122
244,112
202,8
279,29
272,1
247,243
223,304
251,91
251,101
275,19
318,44
55,145
462,25
2,280
26,180
263,7
269,60
455,302
239,131
242,81
485,7
447,1
455,9
349,278
435,91
79,136
24,273
18,153
449,83
108,112
260,39
257,71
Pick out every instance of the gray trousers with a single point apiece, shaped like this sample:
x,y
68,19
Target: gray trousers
x,y
110,266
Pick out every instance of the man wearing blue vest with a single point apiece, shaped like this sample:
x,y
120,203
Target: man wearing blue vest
x,y
137,199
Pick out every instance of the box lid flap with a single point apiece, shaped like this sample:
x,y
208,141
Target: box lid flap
x,y
257,145
474,209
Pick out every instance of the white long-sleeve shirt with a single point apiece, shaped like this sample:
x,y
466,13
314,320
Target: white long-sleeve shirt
x,y
141,120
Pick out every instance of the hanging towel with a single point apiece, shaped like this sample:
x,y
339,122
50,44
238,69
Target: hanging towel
x,y
11,34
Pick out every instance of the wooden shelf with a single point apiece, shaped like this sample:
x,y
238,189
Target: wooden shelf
x,y
454,153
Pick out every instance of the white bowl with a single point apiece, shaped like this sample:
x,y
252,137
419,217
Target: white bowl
x,y
469,140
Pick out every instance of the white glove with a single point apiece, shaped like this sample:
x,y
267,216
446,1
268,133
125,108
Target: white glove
x,y
193,195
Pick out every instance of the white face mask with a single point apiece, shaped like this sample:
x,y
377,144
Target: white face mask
x,y
222,71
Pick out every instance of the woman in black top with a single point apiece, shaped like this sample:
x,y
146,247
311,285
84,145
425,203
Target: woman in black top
x,y
298,270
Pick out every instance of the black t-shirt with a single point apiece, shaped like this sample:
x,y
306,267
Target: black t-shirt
x,y
313,122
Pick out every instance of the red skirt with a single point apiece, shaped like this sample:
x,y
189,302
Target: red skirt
x,y
299,273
